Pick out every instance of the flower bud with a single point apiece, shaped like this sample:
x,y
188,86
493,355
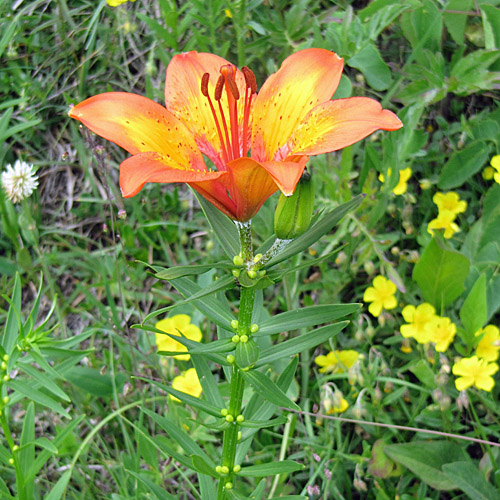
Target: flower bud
x,y
293,213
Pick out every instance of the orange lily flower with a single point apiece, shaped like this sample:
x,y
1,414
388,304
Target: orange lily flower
x,y
213,109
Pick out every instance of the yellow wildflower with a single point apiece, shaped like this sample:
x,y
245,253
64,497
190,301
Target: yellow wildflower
x,y
495,163
449,202
187,382
381,295
444,220
228,13
489,345
474,371
442,332
116,3
332,400
402,185
337,361
488,173
178,323
417,319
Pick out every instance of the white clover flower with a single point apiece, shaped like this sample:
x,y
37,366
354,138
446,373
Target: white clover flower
x,y
19,181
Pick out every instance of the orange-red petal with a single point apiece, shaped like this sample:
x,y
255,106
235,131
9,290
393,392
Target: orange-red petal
x,y
139,124
336,124
304,80
286,174
251,185
184,99
156,167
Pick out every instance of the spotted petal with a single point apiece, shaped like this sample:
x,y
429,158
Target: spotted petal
x,y
139,124
339,123
156,167
304,80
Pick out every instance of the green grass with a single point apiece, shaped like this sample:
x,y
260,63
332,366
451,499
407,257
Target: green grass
x,y
436,64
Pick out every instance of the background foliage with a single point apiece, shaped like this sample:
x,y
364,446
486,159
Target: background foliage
x,y
77,248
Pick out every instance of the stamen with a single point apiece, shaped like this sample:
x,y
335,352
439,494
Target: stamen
x,y
250,80
231,85
218,88
204,84
204,90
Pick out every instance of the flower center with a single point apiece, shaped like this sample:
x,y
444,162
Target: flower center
x,y
233,143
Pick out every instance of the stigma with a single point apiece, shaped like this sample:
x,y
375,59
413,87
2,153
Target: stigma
x,y
234,139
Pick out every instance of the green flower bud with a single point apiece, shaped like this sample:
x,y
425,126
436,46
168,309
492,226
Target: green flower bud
x,y
293,213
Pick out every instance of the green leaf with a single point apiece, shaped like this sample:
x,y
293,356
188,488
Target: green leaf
x,y
200,465
270,469
424,373
45,381
369,61
469,479
440,273
59,488
223,227
322,226
172,273
157,492
25,388
305,317
187,398
27,448
267,389
92,381
261,424
463,164
180,437
212,308
426,459
454,21
219,285
300,343
13,317
491,24
207,381
473,312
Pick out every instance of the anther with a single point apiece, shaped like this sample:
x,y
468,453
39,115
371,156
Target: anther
x,y
204,84
250,79
233,88
219,87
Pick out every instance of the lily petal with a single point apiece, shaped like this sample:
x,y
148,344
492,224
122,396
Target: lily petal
x,y
156,167
286,174
139,124
304,80
251,186
339,123
184,99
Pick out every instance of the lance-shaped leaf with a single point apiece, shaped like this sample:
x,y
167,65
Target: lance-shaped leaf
x,y
156,491
299,344
215,310
270,469
305,317
268,389
201,465
471,481
180,437
217,286
261,424
198,403
172,273
223,227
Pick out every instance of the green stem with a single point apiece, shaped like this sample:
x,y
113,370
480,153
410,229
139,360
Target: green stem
x,y
230,438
